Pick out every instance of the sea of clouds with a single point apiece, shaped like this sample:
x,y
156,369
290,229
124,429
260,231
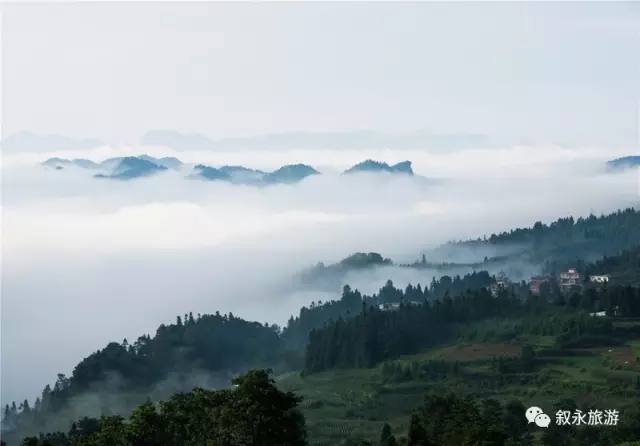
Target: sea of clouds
x,y
86,261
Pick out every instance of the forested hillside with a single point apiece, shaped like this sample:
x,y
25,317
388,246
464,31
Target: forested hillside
x,y
254,412
381,337
200,350
351,302
617,227
375,335
621,268
355,332
539,249
567,240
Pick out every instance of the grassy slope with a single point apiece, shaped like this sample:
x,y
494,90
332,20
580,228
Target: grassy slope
x,y
356,403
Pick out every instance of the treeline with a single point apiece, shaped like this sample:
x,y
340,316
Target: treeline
x,y
375,335
256,413
332,276
296,332
564,243
619,229
623,268
423,263
627,260
615,300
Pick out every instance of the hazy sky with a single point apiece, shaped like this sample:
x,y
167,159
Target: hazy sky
x,y
555,71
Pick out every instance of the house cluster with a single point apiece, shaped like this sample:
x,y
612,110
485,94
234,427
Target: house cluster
x,y
567,281
501,284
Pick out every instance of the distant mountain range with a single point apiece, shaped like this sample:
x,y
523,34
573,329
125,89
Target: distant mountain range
x,y
318,140
31,142
625,162
133,167
26,141
176,140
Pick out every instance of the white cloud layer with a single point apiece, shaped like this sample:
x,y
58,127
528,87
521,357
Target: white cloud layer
x,y
86,262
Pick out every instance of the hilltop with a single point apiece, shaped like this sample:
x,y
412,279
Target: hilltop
x,y
130,167
31,142
376,166
626,162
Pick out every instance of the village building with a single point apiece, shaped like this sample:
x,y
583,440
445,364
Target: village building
x,y
615,312
502,283
536,282
569,281
599,279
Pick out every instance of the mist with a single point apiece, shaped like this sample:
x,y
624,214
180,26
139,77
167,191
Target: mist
x,y
87,262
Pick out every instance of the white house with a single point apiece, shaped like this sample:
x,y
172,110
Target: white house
x,y
599,279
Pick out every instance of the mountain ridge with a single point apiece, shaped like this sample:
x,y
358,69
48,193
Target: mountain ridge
x,y
521,253
141,166
625,162
131,167
33,142
369,165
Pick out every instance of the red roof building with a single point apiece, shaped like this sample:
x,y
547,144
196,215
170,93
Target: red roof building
x,y
536,281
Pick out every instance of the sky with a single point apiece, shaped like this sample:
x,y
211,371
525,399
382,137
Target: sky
x,y
554,71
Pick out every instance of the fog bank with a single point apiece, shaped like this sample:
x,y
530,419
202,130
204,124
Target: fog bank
x,y
86,262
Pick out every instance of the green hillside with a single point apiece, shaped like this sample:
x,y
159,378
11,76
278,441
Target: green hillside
x,y
367,369
356,403
544,248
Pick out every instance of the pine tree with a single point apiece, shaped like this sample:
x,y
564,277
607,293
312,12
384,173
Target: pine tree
x,y
385,435
417,434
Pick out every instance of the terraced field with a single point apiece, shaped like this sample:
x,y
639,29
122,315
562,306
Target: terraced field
x,y
355,404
